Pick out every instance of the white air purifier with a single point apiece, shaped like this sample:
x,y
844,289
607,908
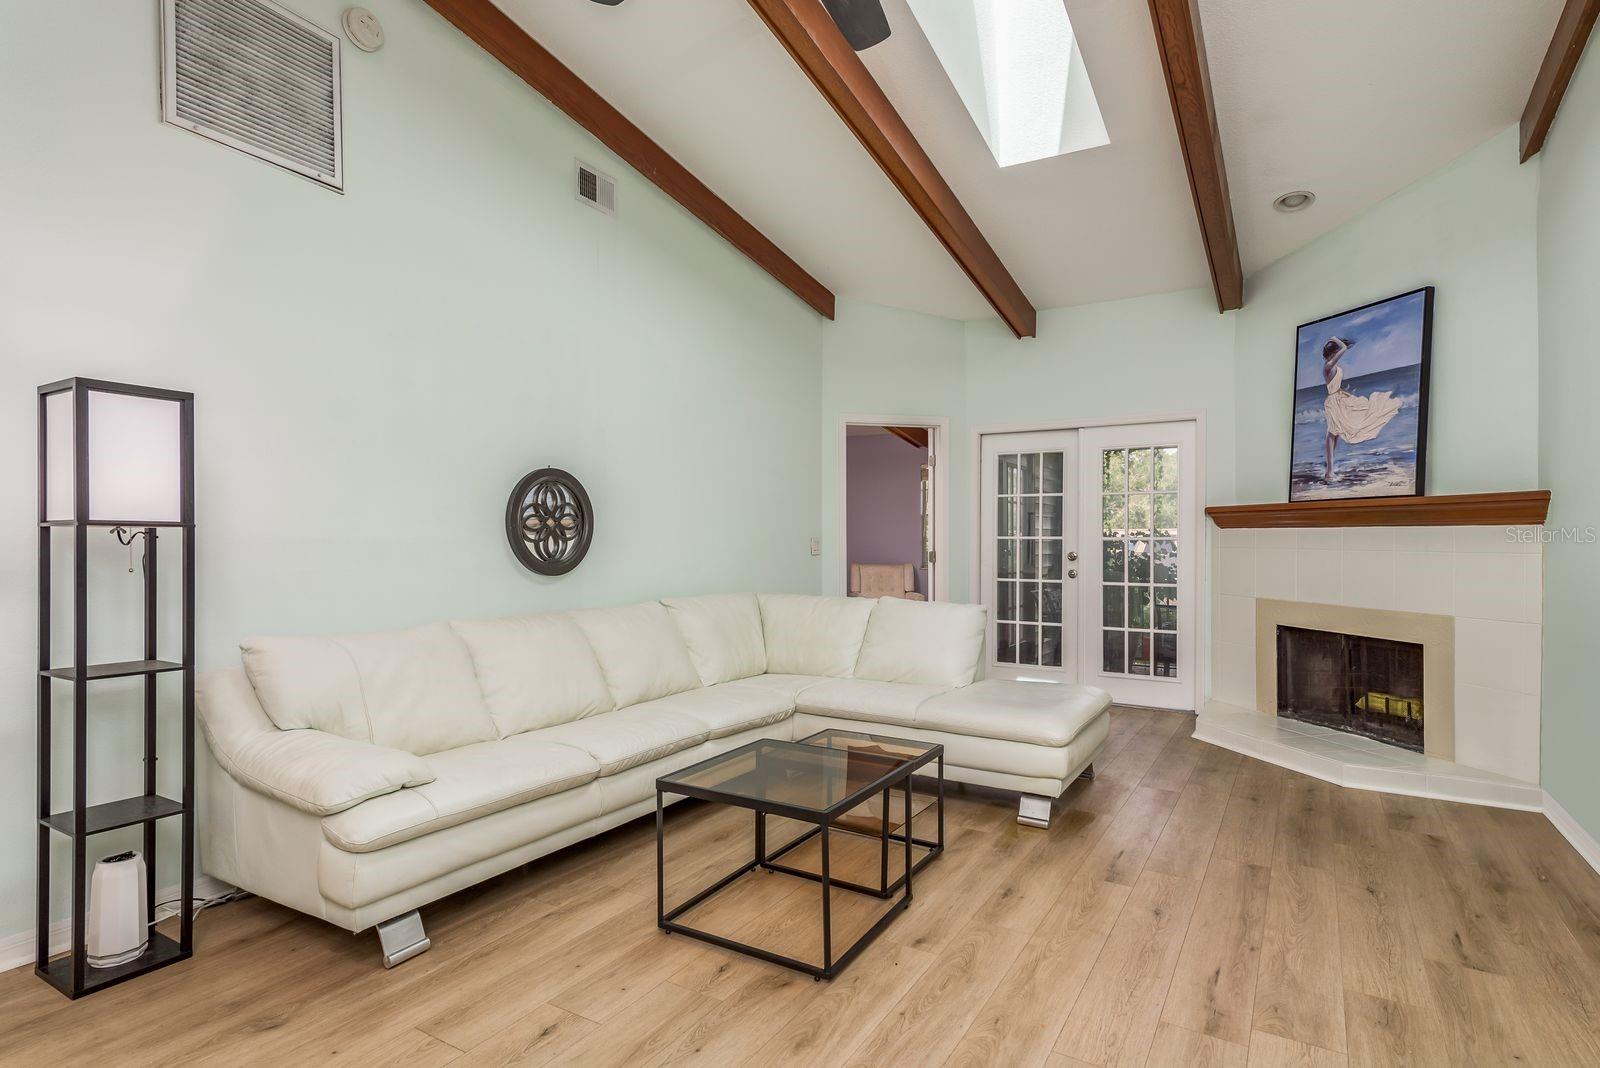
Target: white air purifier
x,y
118,928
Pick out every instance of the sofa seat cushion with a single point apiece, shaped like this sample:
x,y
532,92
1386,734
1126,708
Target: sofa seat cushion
x,y
790,687
628,737
864,699
535,671
405,689
807,635
1039,713
641,653
723,633
727,708
469,782
935,644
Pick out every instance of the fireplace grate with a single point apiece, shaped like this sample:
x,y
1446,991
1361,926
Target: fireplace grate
x,y
1370,687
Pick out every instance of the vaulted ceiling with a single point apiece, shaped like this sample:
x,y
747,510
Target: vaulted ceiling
x,y
1353,100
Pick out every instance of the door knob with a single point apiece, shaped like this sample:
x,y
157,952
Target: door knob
x,y
1072,554
1072,573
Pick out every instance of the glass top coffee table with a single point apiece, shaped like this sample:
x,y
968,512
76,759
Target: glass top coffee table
x,y
837,781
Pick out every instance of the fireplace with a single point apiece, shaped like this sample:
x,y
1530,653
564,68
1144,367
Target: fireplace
x,y
1360,685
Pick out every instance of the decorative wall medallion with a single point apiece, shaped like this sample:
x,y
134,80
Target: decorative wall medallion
x,y
549,521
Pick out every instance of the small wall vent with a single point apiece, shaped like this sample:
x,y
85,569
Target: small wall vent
x,y
597,189
253,76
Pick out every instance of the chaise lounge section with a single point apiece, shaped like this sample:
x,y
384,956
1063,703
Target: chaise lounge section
x,y
357,778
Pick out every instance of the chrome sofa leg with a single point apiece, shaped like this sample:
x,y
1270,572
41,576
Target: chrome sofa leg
x,y
402,938
1033,810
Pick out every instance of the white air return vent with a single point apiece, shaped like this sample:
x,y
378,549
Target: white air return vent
x,y
251,75
597,189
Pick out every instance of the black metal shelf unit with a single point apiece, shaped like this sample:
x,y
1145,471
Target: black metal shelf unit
x,y
70,972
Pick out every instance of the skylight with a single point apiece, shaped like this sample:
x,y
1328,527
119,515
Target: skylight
x,y
1016,65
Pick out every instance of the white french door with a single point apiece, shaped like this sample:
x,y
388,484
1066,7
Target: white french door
x,y
1028,554
1140,530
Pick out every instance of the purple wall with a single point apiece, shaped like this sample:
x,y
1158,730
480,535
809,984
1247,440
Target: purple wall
x,y
883,519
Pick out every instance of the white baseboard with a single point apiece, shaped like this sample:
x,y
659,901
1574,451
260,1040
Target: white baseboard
x,y
1584,842
18,949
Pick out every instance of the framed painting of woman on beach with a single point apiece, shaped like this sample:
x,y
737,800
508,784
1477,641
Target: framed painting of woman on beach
x,y
1361,401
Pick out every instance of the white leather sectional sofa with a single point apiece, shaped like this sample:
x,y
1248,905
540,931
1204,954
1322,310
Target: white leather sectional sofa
x,y
359,777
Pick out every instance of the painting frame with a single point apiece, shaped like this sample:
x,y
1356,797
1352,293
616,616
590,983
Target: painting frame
x,y
1424,363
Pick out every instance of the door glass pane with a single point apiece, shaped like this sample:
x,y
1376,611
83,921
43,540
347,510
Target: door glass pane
x,y
1113,556
1050,646
1005,513
1030,516
1050,558
1114,515
1139,607
1027,644
1139,508
1005,558
1030,602
1111,657
1010,475
1114,471
1050,602
1166,560
1166,601
1166,516
1138,653
1027,559
1005,600
1138,514
1030,473
1054,463
1112,613
1005,651
1050,516
1167,655
1138,470
1167,468
1139,561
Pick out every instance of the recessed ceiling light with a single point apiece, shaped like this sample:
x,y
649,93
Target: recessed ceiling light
x,y
1299,200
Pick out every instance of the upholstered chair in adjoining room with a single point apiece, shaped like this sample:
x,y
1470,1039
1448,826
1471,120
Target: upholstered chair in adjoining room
x,y
884,580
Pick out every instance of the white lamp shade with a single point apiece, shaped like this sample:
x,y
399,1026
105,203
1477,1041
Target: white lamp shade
x,y
135,458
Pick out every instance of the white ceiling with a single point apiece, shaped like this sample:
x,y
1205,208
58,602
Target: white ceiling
x,y
1353,99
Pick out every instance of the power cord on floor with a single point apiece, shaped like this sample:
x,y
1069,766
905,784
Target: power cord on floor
x,y
201,904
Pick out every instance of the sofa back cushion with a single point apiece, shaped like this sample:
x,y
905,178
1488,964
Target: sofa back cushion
x,y
406,689
937,644
535,671
808,635
641,653
723,634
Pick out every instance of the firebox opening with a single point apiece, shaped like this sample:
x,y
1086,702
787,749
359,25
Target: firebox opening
x,y
1366,686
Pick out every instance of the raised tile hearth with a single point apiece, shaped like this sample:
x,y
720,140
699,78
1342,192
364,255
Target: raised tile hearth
x,y
1354,761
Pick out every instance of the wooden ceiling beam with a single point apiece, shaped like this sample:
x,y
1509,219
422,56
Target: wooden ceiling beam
x,y
1560,60
1183,60
809,34
498,35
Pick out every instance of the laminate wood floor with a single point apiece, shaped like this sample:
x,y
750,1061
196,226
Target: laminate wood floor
x,y
1189,906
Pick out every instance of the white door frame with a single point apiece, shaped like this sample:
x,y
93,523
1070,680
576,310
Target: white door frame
x,y
939,445
1202,577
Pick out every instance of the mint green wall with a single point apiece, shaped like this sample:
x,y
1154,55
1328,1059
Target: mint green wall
x,y
1467,229
374,371
1569,441
880,361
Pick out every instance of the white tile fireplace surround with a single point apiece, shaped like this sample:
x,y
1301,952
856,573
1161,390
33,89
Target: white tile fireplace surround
x,y
1488,579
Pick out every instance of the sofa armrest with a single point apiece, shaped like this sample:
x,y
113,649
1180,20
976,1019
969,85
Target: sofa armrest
x,y
312,770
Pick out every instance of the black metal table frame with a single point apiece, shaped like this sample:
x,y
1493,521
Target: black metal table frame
x,y
824,822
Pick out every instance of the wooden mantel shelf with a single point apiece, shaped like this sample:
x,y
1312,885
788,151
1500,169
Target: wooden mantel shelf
x,y
1457,510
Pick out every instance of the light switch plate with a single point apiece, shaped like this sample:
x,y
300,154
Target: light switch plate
x,y
816,546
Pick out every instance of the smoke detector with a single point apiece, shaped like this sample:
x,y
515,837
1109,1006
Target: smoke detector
x,y
363,29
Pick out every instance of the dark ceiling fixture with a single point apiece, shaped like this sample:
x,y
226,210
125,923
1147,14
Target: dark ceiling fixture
x,y
549,521
862,22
